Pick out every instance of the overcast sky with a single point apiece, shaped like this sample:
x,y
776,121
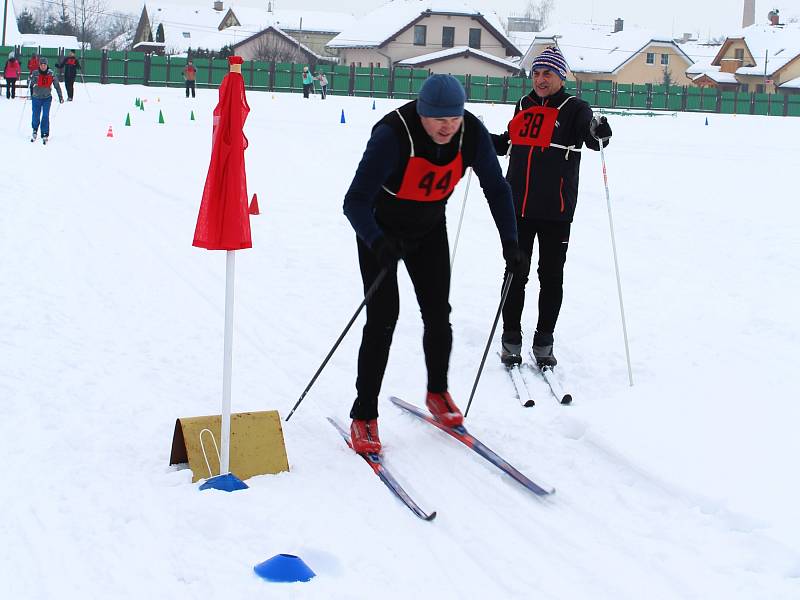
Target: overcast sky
x,y
705,17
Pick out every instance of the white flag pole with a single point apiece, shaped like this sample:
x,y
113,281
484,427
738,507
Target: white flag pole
x,y
225,433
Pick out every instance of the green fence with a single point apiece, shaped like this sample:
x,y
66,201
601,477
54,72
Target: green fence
x,y
128,68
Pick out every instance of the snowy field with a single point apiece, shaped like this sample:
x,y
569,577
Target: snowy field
x,y
682,486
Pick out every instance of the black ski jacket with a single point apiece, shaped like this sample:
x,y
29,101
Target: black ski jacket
x,y
544,181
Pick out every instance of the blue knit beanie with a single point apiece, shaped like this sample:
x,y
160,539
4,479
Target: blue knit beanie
x,y
552,59
441,96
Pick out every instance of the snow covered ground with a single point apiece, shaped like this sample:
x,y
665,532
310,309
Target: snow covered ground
x,y
683,486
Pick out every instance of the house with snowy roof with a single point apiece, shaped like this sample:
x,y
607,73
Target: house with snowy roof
x,y
444,36
242,27
761,58
612,53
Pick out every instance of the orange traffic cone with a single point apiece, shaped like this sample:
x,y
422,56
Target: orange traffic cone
x,y
254,205
110,132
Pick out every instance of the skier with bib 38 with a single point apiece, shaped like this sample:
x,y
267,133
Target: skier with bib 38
x,y
42,97
544,142
396,204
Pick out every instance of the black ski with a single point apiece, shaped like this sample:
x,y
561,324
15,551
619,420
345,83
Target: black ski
x,y
376,462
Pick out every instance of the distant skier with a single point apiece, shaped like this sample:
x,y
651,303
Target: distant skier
x,y
544,142
323,84
11,72
189,77
396,204
42,97
308,82
70,65
33,63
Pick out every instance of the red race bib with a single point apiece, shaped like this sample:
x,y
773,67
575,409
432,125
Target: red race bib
x,y
533,126
44,80
424,181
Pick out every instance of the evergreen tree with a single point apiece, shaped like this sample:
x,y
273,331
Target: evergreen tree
x,y
160,33
26,22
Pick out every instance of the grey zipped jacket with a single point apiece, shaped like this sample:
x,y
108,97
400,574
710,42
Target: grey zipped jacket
x,y
40,83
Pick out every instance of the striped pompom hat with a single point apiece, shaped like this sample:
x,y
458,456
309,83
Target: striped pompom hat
x,y
551,58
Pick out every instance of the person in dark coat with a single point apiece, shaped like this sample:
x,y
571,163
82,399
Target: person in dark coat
x,y
544,141
396,205
70,65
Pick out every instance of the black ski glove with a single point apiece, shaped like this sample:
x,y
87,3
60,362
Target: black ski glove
x,y
516,260
387,251
600,129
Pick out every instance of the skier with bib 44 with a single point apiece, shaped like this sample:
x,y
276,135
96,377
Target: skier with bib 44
x,y
396,204
544,142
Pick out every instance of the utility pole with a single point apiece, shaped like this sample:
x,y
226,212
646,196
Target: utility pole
x,y
5,17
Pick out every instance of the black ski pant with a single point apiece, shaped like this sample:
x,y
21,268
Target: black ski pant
x,y
69,84
306,90
553,243
189,86
11,88
428,265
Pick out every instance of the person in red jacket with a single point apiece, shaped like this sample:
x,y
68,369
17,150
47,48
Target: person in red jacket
x,y
11,72
33,64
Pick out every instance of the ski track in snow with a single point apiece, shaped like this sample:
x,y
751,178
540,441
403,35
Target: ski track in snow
x,y
111,328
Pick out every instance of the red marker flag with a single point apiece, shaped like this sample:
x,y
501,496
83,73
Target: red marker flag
x,y
223,222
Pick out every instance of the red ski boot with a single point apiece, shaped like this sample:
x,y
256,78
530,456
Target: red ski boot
x,y
444,409
364,436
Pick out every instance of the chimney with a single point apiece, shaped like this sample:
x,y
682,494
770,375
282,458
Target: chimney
x,y
774,17
618,23
749,14
218,6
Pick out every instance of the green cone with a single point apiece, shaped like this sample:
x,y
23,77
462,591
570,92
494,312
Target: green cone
x,y
128,120
192,117
160,118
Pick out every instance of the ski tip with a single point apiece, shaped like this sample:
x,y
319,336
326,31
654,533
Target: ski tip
x,y
529,403
567,399
431,516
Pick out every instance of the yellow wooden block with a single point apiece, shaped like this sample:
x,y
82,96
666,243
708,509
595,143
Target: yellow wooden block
x,y
257,446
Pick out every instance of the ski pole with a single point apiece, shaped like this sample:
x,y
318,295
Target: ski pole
x,y
504,295
370,292
616,262
85,87
24,104
461,217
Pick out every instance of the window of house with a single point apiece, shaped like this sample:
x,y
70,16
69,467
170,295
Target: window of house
x,y
420,35
475,38
739,53
665,59
759,88
744,87
448,37
651,58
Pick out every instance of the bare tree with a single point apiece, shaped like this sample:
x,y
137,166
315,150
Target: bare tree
x,y
274,49
87,17
540,10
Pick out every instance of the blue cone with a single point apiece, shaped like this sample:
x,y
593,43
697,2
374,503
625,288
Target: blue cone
x,y
342,119
227,483
373,105
284,568
706,120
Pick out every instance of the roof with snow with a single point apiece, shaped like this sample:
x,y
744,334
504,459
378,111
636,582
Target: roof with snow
x,y
387,21
15,38
433,57
793,84
199,27
717,77
288,38
596,48
778,45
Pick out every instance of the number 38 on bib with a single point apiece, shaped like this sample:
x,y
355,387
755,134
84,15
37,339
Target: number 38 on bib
x,y
533,126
